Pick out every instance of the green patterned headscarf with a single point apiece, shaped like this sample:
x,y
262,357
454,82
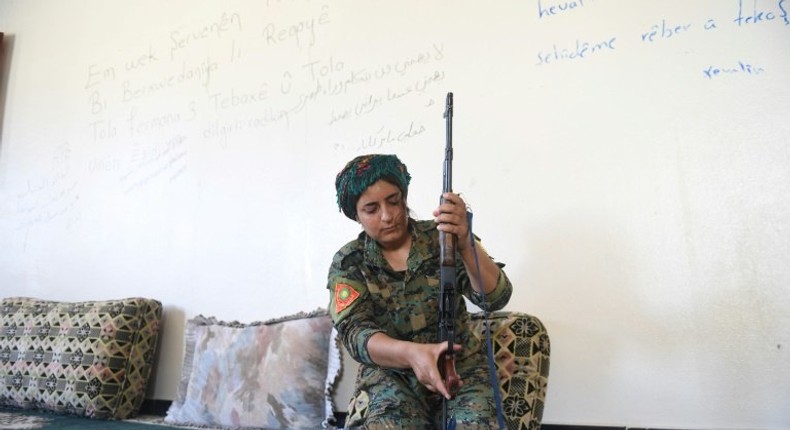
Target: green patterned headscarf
x,y
362,172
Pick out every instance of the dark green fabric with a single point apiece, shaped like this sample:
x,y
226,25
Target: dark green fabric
x,y
10,418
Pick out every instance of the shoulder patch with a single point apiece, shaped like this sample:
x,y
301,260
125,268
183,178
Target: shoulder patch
x,y
344,296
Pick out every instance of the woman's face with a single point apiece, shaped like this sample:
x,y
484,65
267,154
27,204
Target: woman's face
x,y
381,209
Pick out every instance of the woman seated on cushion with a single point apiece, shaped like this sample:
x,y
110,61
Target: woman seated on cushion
x,y
384,291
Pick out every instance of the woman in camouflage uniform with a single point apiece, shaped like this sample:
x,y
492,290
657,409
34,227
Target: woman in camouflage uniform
x,y
384,291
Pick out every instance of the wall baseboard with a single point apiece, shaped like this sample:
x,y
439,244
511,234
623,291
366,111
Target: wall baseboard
x,y
577,427
160,407
570,427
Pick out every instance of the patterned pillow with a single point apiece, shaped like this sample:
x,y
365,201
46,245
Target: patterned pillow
x,y
277,374
521,357
521,353
85,358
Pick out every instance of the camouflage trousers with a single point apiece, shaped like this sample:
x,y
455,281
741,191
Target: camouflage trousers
x,y
394,399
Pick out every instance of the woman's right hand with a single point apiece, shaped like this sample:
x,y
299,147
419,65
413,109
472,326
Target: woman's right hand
x,y
424,360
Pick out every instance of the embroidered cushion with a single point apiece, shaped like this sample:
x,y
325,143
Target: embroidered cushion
x,y
521,354
84,358
277,374
521,358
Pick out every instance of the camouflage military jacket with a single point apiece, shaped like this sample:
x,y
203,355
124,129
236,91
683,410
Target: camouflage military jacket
x,y
367,296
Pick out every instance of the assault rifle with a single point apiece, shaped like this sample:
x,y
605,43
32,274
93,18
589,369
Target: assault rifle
x,y
447,277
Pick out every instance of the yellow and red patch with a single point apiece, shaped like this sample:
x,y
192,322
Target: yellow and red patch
x,y
344,296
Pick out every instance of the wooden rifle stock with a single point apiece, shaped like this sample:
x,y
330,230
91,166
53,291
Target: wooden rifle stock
x,y
447,274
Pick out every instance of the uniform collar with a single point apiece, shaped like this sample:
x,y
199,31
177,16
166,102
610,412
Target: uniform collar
x,y
373,257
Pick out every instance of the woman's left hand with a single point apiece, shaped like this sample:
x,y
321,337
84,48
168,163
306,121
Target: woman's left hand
x,y
451,218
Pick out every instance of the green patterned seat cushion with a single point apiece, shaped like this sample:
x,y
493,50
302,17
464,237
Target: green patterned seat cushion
x,y
82,358
521,353
521,356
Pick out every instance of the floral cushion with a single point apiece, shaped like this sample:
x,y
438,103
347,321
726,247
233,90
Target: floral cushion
x,y
83,358
277,374
521,357
521,354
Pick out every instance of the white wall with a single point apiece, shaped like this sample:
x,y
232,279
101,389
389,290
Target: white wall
x,y
637,189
